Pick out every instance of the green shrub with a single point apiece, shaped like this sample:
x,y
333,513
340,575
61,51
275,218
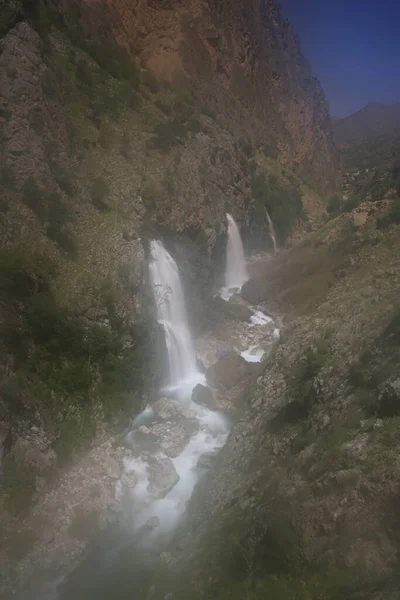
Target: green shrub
x,y
168,134
150,81
284,204
62,177
165,108
83,73
33,197
209,112
194,125
184,110
334,204
247,148
300,382
99,193
350,204
63,238
270,150
7,177
17,485
391,217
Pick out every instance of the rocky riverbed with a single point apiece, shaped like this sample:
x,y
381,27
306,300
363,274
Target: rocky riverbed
x,y
142,482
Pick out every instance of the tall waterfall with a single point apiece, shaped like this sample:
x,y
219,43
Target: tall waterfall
x,y
171,314
271,231
236,272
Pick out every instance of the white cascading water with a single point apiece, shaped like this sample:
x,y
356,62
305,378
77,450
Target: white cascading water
x,y
212,427
236,271
171,314
271,231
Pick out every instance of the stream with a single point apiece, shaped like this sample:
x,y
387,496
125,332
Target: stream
x,y
173,441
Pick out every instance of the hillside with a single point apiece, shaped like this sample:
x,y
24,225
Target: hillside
x,y
369,138
120,122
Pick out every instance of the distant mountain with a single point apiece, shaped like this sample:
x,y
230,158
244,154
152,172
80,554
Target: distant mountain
x,y
370,137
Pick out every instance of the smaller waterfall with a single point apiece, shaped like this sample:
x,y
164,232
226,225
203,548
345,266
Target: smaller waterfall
x,y
271,231
236,271
171,313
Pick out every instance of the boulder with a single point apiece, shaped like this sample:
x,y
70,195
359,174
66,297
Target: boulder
x,y
112,469
207,460
227,371
205,396
210,350
236,308
142,440
165,408
162,476
172,437
129,480
254,290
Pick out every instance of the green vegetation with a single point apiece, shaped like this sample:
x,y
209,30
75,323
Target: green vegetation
x,y
63,366
247,148
17,485
334,204
32,196
99,193
209,112
165,108
284,204
392,216
150,81
7,177
300,383
169,134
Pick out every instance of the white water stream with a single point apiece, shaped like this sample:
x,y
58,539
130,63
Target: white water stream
x,y
271,231
171,313
155,432
236,271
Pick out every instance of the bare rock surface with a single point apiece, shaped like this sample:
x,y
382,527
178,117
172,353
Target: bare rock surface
x,y
162,476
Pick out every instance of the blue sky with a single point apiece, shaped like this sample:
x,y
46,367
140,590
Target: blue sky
x,y
353,46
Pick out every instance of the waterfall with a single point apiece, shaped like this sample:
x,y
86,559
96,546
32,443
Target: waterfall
x,y
271,231
236,272
171,314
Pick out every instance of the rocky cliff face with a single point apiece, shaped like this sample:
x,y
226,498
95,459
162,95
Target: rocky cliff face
x,y
121,121
242,59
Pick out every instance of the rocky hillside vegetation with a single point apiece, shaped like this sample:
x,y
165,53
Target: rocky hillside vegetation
x,y
369,138
99,153
121,121
303,500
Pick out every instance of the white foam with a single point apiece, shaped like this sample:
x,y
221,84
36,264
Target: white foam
x,y
253,354
259,318
212,434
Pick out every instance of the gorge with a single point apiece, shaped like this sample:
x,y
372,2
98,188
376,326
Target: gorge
x,y
199,340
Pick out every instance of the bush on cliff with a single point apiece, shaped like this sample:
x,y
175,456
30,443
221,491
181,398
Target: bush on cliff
x,y
62,367
284,204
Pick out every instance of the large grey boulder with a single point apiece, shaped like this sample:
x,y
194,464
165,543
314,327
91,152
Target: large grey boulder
x,y
173,437
162,476
207,460
205,396
165,408
236,308
227,371
255,290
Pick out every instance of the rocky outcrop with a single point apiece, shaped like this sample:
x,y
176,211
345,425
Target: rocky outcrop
x,y
308,474
244,58
162,476
227,371
205,396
